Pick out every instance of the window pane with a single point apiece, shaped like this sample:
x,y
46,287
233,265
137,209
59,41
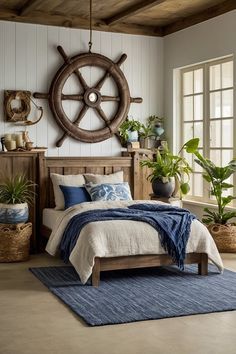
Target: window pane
x,y
189,158
215,156
198,185
227,156
190,185
227,74
215,133
215,77
188,108
227,133
227,103
215,105
188,83
198,107
188,131
198,132
198,80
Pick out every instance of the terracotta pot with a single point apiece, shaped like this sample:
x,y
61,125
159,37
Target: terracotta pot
x,y
224,236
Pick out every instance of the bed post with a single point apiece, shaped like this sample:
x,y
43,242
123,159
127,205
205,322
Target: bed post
x,y
203,265
96,272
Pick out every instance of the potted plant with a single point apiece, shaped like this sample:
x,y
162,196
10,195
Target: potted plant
x,y
147,136
16,193
157,124
217,221
168,173
129,130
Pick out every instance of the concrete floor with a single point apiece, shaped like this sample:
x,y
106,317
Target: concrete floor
x,y
33,321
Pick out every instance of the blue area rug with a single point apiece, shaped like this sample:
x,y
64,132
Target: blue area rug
x,y
143,294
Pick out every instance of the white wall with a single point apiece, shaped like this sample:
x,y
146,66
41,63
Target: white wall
x,y
29,60
208,40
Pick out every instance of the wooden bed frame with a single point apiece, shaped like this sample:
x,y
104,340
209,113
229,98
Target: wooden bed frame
x,y
140,189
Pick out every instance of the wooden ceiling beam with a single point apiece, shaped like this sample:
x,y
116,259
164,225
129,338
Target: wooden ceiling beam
x,y
205,15
133,10
39,17
30,6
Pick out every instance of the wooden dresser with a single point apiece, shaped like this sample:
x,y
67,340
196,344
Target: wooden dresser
x,y
26,162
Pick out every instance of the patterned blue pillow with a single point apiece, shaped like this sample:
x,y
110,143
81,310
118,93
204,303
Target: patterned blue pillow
x,y
109,191
74,195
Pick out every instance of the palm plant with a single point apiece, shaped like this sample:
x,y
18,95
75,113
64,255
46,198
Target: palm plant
x,y
217,177
16,190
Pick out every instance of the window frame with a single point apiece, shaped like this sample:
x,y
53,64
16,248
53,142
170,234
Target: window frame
x,y
206,119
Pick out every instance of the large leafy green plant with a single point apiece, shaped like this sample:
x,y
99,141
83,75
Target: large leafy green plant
x,y
166,166
217,177
16,190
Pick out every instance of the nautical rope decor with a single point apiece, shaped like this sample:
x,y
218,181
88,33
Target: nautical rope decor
x,y
90,97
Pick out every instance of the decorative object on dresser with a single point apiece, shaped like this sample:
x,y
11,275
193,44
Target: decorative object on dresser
x,y
16,192
223,232
168,173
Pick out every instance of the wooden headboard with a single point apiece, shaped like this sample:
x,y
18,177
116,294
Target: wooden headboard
x,y
80,165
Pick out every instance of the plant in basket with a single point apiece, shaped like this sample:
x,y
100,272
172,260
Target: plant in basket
x,y
217,221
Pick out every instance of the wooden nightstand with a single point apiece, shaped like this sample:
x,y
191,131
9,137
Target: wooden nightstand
x,y
173,201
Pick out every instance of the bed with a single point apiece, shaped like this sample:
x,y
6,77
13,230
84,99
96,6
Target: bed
x,y
200,248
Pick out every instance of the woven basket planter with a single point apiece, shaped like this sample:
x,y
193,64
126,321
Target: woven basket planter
x,y
15,242
224,237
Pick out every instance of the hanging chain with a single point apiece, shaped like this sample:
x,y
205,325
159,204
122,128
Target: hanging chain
x,y
90,27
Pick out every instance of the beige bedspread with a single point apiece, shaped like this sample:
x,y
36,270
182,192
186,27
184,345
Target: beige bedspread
x,y
121,238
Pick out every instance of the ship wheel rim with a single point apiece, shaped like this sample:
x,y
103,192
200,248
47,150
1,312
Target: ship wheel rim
x,y
55,97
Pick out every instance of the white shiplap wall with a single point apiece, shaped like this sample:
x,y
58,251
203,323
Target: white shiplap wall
x,y
29,60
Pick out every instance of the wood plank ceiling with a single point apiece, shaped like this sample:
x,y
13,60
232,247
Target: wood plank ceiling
x,y
145,17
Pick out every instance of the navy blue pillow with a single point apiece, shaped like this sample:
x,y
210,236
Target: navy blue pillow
x,y
74,195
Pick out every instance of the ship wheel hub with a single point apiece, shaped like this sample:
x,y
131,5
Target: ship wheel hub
x,y
92,97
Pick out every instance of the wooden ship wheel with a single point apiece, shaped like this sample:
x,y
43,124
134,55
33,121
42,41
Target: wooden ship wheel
x,y
90,97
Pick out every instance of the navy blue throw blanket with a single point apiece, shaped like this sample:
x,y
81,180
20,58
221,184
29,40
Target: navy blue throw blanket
x,y
172,223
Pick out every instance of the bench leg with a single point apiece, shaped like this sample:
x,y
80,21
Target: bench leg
x,y
203,265
96,273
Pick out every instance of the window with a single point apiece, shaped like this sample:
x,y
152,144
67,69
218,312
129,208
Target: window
x,y
207,112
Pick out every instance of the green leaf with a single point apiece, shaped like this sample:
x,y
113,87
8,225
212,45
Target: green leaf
x,y
192,145
184,187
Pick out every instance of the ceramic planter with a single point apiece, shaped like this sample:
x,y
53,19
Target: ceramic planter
x,y
161,189
14,213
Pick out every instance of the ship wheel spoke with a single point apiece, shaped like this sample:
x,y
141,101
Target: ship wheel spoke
x,y
100,83
81,79
110,98
76,122
72,97
102,115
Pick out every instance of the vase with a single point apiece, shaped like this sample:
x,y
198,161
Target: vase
x,y
132,136
14,213
161,189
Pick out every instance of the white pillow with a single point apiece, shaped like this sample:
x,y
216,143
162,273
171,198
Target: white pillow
x,y
64,180
117,177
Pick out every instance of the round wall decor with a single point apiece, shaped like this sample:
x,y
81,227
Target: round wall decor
x,y
90,97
